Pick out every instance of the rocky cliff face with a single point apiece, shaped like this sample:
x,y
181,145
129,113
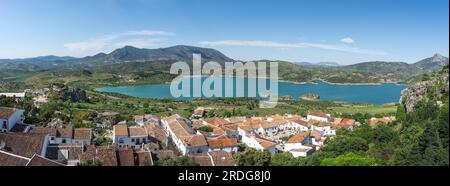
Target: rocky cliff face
x,y
69,93
430,90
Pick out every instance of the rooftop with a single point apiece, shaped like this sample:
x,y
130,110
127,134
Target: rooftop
x,y
223,142
106,155
6,112
216,121
195,141
265,143
40,161
298,138
82,133
22,144
9,159
120,130
137,131
125,157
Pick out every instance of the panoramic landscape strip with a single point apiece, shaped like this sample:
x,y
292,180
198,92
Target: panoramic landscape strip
x,y
139,86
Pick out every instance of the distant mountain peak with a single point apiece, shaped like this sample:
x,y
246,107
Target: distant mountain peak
x,y
438,57
432,63
175,53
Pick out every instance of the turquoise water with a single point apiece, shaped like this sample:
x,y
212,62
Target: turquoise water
x,y
375,94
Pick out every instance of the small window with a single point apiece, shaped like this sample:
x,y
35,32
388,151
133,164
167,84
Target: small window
x,y
4,125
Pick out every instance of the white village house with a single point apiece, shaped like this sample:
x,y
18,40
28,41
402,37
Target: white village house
x,y
10,117
296,145
185,139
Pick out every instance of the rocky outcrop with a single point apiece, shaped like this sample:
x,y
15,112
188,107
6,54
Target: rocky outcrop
x,y
430,90
75,95
69,93
310,97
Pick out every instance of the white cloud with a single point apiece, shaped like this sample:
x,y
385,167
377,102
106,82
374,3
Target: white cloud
x,y
347,40
259,43
140,38
149,33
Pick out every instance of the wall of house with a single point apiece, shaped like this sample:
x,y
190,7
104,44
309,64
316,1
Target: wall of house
x,y
227,149
121,141
81,141
200,149
317,118
251,142
137,141
297,154
290,146
16,117
63,140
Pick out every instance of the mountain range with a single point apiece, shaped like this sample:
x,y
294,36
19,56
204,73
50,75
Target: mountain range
x,y
331,64
128,60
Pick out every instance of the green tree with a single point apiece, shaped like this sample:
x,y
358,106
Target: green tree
x,y
91,163
283,159
252,157
345,144
178,161
350,159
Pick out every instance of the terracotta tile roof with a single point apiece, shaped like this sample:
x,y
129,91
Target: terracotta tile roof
x,y
44,130
316,134
74,151
222,158
223,142
64,132
246,128
22,144
298,138
137,131
157,132
230,127
165,153
125,157
144,158
106,155
252,122
318,114
216,121
153,145
347,122
214,158
40,161
269,125
265,143
180,127
202,159
9,159
195,141
217,131
302,122
120,130
82,133
6,113
236,119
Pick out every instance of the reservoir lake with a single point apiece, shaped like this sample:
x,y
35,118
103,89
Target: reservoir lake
x,y
374,94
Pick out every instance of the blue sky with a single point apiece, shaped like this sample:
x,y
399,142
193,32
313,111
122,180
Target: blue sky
x,y
344,31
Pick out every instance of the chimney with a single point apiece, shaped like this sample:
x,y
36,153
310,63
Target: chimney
x,y
2,145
